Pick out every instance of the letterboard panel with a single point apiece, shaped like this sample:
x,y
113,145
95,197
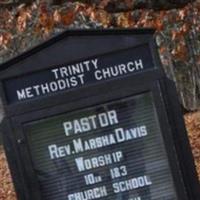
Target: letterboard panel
x,y
112,151
69,76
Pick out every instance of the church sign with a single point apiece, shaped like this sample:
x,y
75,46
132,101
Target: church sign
x,y
90,115
85,72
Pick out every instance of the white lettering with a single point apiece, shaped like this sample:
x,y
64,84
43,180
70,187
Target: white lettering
x,y
89,123
94,62
131,184
55,71
99,161
21,94
94,193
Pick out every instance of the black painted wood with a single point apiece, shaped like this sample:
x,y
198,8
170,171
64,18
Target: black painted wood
x,y
113,48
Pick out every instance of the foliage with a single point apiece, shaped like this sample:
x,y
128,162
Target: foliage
x,y
6,187
192,121
25,26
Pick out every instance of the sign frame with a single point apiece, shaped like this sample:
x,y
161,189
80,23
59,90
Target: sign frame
x,y
167,107
78,104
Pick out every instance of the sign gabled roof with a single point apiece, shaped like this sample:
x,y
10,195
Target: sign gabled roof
x,y
75,32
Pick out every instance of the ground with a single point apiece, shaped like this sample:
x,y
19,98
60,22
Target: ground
x,y
193,126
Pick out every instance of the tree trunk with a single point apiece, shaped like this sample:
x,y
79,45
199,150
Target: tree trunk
x,y
114,5
125,5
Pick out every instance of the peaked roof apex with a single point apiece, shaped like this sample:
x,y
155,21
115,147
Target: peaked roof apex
x,y
74,32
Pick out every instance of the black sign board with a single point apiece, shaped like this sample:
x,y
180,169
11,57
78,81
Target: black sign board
x,y
73,75
114,151
95,122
